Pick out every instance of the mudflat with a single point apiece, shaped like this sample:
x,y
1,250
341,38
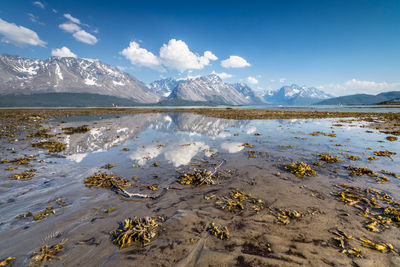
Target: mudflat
x,y
199,187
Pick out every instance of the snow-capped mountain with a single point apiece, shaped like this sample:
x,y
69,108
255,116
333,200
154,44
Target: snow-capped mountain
x,y
69,75
164,87
248,93
208,88
296,95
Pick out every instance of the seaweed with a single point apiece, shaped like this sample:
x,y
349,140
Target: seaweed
x,y
43,133
328,158
138,230
370,158
108,166
105,180
125,149
25,175
6,261
153,187
247,145
20,160
221,232
391,138
237,201
52,146
361,171
385,153
43,214
47,253
300,169
395,175
376,206
379,247
74,130
284,215
353,157
316,133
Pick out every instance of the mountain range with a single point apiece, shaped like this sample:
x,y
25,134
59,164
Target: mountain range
x,y
296,95
69,81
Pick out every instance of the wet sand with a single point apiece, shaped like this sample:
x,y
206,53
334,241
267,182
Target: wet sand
x,y
257,238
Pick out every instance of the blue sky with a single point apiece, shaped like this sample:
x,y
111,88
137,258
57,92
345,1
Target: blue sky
x,y
342,47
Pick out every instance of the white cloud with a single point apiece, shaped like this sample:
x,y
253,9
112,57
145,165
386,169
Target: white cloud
x,y
252,80
222,75
272,81
282,80
355,86
235,62
77,32
85,37
62,52
38,4
34,19
232,147
141,57
54,10
69,27
19,35
176,55
71,18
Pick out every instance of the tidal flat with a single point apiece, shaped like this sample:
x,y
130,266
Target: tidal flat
x,y
199,187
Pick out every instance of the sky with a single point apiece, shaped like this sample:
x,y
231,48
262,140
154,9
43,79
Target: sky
x,y
341,47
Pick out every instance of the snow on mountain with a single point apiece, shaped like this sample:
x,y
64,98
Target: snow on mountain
x,y
69,75
296,95
164,87
248,93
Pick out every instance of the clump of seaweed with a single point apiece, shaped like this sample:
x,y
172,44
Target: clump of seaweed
x,y
108,166
247,145
352,157
153,187
284,215
199,177
300,169
316,133
43,133
237,201
25,175
379,247
378,207
370,158
385,153
46,253
342,241
7,261
74,130
361,171
138,230
105,180
43,214
254,154
395,175
328,158
391,138
20,160
52,146
218,231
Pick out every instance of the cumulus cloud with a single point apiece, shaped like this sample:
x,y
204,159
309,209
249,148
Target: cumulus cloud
x,y
355,86
69,27
176,55
173,55
85,37
19,35
235,62
141,57
282,80
77,32
72,19
222,75
38,4
62,52
252,80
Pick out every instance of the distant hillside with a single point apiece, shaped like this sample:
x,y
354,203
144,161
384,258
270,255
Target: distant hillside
x,y
64,100
395,101
361,99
